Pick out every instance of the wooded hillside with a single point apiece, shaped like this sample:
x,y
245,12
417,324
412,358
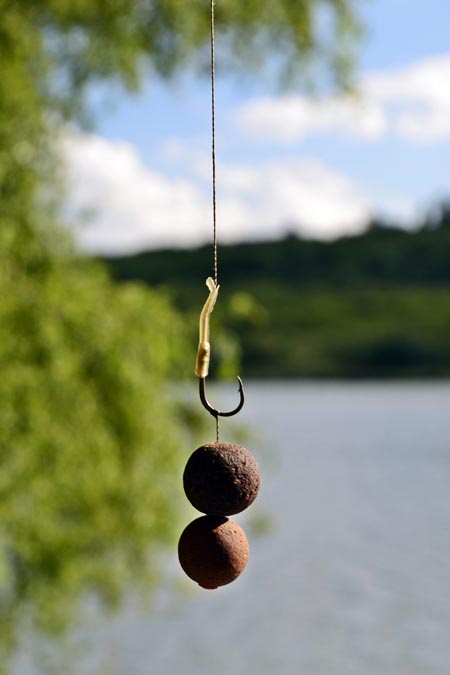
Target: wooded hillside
x,y
374,305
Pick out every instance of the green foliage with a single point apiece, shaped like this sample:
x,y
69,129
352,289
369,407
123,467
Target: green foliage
x,y
50,51
81,39
90,439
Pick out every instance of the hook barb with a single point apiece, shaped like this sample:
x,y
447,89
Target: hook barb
x,y
217,413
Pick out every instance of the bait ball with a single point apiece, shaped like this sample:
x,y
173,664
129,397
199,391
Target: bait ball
x,y
221,479
213,551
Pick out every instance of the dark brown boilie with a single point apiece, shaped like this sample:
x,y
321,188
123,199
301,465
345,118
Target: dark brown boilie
x,y
213,551
221,478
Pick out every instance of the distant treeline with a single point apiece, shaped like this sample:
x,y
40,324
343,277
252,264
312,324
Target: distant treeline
x,y
383,255
372,305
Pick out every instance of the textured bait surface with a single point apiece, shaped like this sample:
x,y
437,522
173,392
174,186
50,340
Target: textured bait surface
x,y
221,478
213,551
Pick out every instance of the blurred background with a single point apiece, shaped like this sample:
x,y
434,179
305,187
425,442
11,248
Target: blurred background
x,y
333,139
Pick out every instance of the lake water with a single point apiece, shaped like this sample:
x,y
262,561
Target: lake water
x,y
353,576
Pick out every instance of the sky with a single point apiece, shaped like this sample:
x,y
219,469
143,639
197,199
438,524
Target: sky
x,y
286,161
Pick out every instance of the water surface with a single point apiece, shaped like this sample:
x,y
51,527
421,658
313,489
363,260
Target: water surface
x,y
353,577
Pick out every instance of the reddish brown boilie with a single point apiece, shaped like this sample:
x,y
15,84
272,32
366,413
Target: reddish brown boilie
x,y
221,479
213,551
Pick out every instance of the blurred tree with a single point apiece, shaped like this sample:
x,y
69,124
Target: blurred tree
x,y
52,49
88,438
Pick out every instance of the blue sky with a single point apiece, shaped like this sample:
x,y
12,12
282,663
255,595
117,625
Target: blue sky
x,y
285,161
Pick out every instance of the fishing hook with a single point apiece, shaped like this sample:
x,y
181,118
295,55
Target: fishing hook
x,y
217,413
204,353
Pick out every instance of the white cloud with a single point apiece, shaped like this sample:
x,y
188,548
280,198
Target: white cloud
x,y
131,207
412,102
289,118
299,195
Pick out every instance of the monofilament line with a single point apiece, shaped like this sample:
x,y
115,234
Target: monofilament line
x,y
217,429
213,157
213,145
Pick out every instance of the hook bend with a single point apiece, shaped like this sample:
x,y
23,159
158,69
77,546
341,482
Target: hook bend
x,y
213,411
